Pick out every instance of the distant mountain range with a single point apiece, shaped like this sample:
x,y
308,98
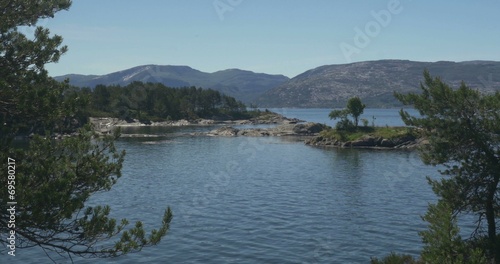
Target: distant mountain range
x,y
326,86
243,85
375,82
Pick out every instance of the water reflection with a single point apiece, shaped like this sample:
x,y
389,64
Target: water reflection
x,y
278,202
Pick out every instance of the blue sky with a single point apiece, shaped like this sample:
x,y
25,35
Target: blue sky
x,y
272,36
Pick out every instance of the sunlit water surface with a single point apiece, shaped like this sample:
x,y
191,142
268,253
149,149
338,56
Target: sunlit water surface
x,y
267,200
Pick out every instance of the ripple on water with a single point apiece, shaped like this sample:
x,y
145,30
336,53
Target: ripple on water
x,y
243,200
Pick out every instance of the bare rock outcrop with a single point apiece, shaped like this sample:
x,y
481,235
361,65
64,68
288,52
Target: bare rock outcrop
x,y
402,142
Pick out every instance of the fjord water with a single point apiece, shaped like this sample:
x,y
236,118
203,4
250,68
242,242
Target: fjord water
x,y
270,200
377,117
273,200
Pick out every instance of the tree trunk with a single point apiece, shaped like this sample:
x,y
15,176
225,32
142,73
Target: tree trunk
x,y
492,234
490,214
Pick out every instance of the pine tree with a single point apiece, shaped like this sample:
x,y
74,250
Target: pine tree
x,y
442,241
52,179
463,130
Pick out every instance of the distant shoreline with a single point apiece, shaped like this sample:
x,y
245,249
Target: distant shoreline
x,y
105,125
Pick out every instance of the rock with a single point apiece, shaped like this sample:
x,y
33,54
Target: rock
x,y
292,121
243,122
366,141
139,136
146,122
315,140
254,133
273,118
346,144
205,121
404,142
308,128
423,141
281,130
360,143
319,141
182,122
224,131
386,143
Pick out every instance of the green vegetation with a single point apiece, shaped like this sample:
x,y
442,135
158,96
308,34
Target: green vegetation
x,y
442,242
354,109
463,129
394,258
154,101
347,130
51,181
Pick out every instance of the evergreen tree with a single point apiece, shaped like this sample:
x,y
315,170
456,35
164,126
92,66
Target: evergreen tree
x,y
52,179
463,130
442,242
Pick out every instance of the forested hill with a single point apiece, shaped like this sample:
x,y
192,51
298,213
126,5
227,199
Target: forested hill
x,y
375,81
156,102
245,86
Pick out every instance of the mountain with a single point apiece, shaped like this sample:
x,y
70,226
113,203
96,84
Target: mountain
x,y
375,81
243,85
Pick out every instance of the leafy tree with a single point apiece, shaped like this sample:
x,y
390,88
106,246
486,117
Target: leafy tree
x,y
463,130
354,108
54,178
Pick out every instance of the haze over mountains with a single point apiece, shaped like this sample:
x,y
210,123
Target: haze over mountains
x,y
243,85
326,86
375,82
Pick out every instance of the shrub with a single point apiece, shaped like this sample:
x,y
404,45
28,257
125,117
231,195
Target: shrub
x,y
394,258
345,125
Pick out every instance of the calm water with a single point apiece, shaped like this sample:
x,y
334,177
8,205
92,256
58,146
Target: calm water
x,y
268,200
378,117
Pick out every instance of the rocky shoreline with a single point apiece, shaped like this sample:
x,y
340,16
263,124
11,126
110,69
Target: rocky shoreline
x,y
371,142
307,129
309,133
105,125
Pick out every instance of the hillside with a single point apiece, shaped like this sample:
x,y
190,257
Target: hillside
x,y
375,81
243,85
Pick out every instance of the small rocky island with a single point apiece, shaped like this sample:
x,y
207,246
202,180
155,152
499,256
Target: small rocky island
x,y
283,126
313,134
368,141
290,129
369,137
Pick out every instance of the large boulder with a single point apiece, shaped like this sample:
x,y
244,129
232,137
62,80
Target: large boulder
x,y
366,141
401,141
308,128
386,143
